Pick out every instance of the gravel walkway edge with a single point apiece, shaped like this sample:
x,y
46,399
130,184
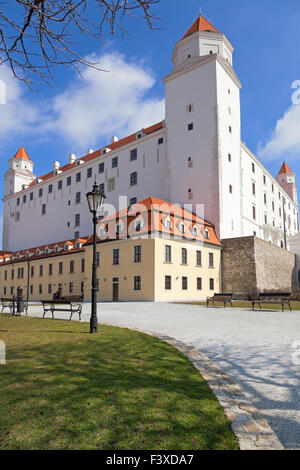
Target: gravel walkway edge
x,y
252,431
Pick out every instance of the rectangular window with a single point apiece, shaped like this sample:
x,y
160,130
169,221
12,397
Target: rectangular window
x,y
229,157
89,172
49,288
77,220
24,199
44,209
138,254
253,168
60,184
254,212
212,284
199,258
50,269
133,179
101,167
11,291
32,271
12,274
18,201
31,289
41,270
72,267
265,198
199,283
211,260
50,189
71,287
230,189
230,129
40,289
116,256
69,180
253,189
31,196
168,253
102,188
82,265
160,141
40,192
78,198
133,155
4,290
60,268
184,283
78,177
114,162
265,179
137,285
168,283
183,256
190,126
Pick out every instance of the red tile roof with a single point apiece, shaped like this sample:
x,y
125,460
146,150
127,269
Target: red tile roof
x,y
285,169
201,24
21,153
153,213
114,146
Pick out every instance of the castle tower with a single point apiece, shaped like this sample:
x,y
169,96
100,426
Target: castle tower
x,y
203,145
18,177
286,179
20,173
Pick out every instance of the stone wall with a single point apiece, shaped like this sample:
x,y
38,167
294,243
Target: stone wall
x,y
251,265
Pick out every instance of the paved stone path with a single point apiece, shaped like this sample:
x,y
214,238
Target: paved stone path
x,y
253,348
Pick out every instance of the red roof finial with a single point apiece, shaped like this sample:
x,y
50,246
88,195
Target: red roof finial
x,y
21,153
285,169
201,24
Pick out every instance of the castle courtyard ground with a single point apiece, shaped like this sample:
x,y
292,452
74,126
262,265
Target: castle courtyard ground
x,y
254,348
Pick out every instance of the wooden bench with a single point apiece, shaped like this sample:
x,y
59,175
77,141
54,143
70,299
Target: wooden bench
x,y
281,298
9,303
61,306
224,298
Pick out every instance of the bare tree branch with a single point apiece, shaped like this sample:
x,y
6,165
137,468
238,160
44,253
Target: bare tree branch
x,y
44,37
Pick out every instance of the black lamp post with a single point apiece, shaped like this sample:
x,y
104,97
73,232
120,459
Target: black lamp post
x,y
95,201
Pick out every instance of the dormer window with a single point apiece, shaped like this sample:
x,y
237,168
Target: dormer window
x,y
206,234
168,224
120,227
182,228
195,230
138,224
102,231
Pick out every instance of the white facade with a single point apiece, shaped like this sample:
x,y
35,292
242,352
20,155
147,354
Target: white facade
x,y
195,157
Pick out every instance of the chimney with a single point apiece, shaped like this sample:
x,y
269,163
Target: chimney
x,y
114,139
56,165
72,158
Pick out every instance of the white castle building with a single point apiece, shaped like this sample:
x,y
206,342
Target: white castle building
x,y
195,156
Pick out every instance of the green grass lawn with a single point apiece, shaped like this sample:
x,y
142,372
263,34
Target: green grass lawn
x,y
247,304
63,388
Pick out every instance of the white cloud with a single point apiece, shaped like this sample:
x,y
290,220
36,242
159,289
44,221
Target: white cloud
x,y
17,115
103,104
285,140
99,105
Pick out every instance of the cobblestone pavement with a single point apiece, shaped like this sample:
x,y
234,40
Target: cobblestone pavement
x,y
253,348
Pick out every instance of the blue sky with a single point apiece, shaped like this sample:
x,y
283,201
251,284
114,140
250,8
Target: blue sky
x,y
78,114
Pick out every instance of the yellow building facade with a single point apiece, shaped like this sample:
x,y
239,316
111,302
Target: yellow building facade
x,y
154,255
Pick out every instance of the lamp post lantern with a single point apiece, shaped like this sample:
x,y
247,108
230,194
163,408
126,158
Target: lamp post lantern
x,y
95,201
